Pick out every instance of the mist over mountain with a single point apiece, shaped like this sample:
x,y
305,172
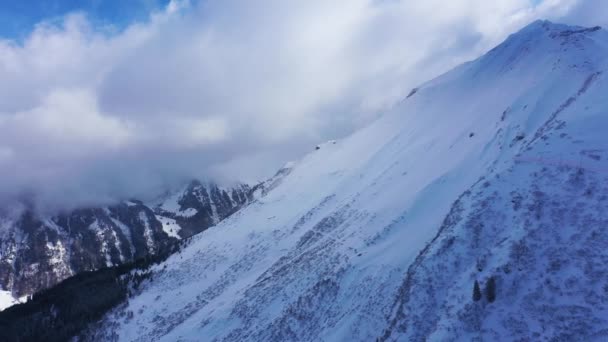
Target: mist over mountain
x,y
93,112
348,170
40,250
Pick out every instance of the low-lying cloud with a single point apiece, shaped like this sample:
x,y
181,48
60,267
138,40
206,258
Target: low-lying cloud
x,y
223,90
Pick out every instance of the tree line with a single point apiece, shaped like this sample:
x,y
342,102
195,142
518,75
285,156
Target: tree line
x,y
63,311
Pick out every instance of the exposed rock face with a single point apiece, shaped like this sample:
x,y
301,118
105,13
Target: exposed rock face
x,y
200,206
37,252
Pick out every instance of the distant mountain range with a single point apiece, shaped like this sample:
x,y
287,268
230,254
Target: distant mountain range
x,y
36,252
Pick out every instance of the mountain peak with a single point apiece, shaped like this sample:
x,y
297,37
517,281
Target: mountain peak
x,y
540,30
548,46
554,30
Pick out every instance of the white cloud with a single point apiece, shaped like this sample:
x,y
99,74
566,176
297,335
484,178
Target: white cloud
x,y
223,88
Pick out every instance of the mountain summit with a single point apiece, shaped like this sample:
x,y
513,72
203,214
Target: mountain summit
x,y
475,209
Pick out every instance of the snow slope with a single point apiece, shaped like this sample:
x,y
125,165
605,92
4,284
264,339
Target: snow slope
x,y
497,168
7,299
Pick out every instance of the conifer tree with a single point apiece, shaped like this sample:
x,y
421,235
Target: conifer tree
x,y
491,290
476,291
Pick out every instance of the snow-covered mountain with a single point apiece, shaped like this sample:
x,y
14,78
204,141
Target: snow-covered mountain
x,y
495,172
200,205
38,251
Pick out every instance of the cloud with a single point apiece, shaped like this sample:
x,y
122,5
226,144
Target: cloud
x,y
587,13
226,90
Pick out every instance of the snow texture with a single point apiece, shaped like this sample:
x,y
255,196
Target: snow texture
x,y
7,299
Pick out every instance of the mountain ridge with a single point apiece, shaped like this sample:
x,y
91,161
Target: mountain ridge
x,y
489,176
38,250
383,234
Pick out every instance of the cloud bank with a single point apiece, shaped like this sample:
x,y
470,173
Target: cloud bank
x,y
223,90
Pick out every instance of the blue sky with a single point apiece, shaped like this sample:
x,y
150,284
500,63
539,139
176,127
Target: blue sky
x,y
18,17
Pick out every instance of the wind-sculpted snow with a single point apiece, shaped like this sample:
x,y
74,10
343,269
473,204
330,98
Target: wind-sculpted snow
x,y
383,234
